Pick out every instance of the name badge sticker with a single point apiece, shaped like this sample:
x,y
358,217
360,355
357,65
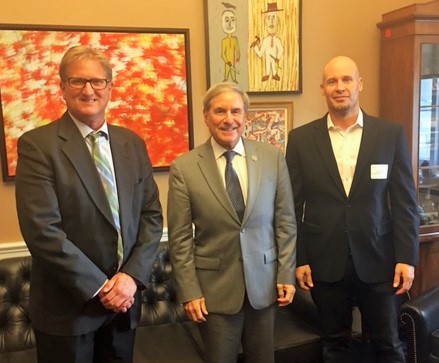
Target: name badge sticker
x,y
379,171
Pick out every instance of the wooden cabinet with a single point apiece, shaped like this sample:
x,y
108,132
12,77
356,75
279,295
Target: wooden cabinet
x,y
409,94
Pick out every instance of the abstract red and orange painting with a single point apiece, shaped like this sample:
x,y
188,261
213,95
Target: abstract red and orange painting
x,y
151,84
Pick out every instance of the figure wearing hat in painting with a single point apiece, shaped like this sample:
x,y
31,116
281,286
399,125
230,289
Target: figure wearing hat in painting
x,y
271,47
229,45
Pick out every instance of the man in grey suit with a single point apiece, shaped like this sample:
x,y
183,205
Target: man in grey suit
x,y
357,217
239,260
91,251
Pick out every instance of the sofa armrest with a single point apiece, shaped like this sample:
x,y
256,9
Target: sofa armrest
x,y
304,307
419,318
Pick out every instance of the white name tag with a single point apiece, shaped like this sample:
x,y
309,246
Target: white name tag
x,y
379,171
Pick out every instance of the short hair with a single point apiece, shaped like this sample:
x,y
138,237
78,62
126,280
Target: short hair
x,y
219,88
79,53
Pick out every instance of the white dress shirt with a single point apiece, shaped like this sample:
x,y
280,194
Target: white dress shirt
x,y
239,164
346,145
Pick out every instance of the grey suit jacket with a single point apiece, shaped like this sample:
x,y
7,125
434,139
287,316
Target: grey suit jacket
x,y
66,222
377,223
222,259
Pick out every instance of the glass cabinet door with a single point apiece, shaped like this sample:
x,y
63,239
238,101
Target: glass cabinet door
x,y
428,180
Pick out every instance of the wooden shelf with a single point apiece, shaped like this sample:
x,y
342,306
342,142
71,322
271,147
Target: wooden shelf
x,y
404,32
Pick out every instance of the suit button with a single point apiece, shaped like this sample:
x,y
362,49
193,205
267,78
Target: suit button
x,y
243,230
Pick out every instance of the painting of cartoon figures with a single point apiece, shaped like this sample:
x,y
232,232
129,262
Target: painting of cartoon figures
x,y
254,43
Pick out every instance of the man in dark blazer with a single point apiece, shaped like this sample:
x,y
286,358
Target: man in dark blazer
x,y
230,272
357,216
84,298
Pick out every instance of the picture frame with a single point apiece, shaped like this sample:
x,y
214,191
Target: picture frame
x,y
269,122
151,91
254,43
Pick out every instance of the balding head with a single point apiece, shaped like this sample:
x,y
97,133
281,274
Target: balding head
x,y
341,85
341,62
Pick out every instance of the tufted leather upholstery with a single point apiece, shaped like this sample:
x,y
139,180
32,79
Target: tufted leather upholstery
x,y
16,335
420,326
164,334
159,299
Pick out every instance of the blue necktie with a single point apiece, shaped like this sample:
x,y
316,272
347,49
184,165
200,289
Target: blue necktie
x,y
233,186
103,164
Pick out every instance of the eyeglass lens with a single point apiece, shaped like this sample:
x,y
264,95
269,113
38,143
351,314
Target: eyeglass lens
x,y
96,83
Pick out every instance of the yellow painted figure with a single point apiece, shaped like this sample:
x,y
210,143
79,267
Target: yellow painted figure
x,y
230,46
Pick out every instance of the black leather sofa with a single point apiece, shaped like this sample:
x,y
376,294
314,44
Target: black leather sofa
x,y
420,327
164,334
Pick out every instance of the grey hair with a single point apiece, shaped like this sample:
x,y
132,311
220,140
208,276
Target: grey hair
x,y
219,88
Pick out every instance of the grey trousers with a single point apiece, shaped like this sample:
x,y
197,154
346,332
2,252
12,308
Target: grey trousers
x,y
223,335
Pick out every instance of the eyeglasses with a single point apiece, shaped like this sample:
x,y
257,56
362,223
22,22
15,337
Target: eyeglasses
x,y
95,83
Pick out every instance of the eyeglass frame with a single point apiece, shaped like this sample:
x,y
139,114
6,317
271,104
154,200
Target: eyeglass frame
x,y
85,80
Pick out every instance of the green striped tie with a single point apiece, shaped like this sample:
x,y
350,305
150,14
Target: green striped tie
x,y
102,159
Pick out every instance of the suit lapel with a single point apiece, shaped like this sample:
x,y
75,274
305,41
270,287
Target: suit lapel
x,y
254,172
367,145
324,146
76,151
122,169
209,169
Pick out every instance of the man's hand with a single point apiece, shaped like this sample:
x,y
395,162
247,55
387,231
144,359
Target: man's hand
x,y
196,310
285,294
118,293
403,279
304,278
255,42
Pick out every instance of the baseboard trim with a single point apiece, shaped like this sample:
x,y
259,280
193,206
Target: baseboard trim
x,y
13,249
19,249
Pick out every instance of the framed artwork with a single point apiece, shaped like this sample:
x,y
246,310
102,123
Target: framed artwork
x,y
255,44
151,92
269,122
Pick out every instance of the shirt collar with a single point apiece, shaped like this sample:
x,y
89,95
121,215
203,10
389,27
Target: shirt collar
x,y
86,130
359,122
218,150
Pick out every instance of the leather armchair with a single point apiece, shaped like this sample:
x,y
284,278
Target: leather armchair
x,y
420,327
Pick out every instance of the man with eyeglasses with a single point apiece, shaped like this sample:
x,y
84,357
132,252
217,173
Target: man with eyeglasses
x,y
89,211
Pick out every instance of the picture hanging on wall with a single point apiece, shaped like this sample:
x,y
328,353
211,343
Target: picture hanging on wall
x,y
151,91
269,122
255,44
